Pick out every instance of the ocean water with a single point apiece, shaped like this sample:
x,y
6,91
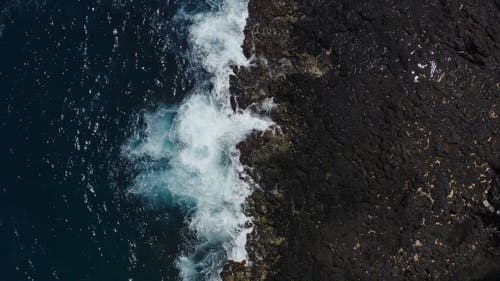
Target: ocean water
x,y
118,142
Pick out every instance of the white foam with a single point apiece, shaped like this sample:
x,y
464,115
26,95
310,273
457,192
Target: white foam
x,y
198,143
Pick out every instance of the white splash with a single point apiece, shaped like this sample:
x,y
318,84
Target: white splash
x,y
191,150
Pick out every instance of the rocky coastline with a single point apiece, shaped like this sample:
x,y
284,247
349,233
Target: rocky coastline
x,y
385,162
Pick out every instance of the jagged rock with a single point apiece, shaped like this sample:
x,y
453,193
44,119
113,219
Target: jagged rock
x,y
388,117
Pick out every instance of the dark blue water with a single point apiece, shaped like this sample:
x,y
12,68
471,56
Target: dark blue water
x,y
74,75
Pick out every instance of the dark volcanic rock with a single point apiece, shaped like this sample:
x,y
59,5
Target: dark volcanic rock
x,y
385,166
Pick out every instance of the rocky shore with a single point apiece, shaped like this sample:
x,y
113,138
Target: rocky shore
x,y
386,162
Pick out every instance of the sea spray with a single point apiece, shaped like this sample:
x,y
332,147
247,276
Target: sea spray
x,y
188,155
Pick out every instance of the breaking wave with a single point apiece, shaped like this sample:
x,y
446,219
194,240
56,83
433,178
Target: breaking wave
x,y
186,154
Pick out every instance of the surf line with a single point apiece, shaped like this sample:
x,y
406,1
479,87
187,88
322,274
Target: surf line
x,y
188,153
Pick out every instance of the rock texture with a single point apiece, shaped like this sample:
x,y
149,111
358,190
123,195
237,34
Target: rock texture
x,y
386,162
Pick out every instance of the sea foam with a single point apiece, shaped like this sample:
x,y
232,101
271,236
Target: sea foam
x,y
188,153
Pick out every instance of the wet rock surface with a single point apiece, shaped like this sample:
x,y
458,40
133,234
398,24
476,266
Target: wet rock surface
x,y
386,162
